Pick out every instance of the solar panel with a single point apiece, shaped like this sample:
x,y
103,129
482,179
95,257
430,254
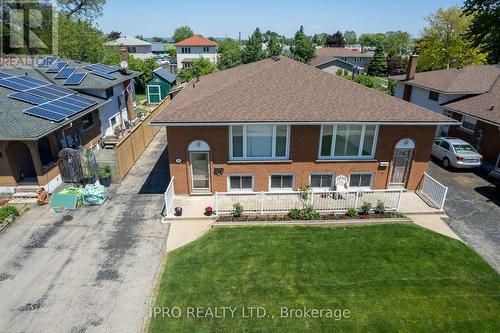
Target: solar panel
x,y
61,89
52,89
46,114
4,75
65,73
32,80
56,67
75,79
102,68
104,75
69,106
43,93
58,109
13,85
22,81
78,100
28,98
47,61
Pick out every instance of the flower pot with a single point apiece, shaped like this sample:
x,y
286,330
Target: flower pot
x,y
178,211
106,181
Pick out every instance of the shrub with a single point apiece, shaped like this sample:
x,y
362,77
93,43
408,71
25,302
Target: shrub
x,y
105,171
294,213
346,72
366,207
380,208
8,211
309,214
237,210
364,80
395,214
339,72
352,212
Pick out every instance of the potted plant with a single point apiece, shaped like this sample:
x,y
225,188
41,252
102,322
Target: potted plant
x,y
105,175
178,211
209,211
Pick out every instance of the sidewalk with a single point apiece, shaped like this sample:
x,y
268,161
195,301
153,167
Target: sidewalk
x,y
434,222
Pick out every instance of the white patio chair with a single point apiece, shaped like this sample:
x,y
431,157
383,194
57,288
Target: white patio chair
x,y
341,185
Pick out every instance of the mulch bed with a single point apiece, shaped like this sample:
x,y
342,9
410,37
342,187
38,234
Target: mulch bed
x,y
323,217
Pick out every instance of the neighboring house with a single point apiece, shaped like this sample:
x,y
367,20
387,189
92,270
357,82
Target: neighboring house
x,y
330,59
253,128
135,47
159,86
158,49
465,94
194,48
31,135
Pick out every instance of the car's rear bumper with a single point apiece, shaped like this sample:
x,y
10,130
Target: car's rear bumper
x,y
465,165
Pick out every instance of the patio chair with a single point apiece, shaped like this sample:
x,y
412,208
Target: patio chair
x,y
341,185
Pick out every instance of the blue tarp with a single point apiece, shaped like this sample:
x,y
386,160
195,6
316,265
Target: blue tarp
x,y
94,195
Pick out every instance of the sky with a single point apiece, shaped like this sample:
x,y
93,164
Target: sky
x,y
225,18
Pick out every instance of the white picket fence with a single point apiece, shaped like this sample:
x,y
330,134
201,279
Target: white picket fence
x,y
169,196
325,201
433,191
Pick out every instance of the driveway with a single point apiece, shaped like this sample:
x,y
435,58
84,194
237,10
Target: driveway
x,y
473,207
92,270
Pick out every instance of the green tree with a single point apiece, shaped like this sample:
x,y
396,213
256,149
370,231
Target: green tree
x,y
274,47
199,67
371,39
378,65
484,30
182,33
350,37
397,42
83,9
303,49
335,40
79,40
444,43
229,54
171,50
253,48
146,66
320,39
113,35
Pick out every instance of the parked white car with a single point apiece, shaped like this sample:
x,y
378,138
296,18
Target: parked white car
x,y
456,153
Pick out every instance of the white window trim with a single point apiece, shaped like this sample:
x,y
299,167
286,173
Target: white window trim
x,y
360,149
229,189
159,92
326,173
281,189
273,149
468,130
372,176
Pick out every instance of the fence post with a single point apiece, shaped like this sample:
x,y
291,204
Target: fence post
x,y
443,198
262,203
216,204
400,195
357,199
311,195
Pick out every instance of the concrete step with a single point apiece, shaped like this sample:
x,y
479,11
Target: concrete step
x,y
19,195
27,188
23,201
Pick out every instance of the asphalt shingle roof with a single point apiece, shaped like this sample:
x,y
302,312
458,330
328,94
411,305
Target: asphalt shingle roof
x,y
128,41
324,54
163,73
284,90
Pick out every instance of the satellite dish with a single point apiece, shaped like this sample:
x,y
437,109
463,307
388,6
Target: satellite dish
x,y
124,64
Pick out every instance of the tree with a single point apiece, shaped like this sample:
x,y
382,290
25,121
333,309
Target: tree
x,y
484,30
303,49
335,40
229,54
320,39
371,39
79,40
139,37
444,43
83,9
350,37
268,35
182,33
146,66
157,39
378,65
274,47
397,42
253,48
113,35
199,67
171,50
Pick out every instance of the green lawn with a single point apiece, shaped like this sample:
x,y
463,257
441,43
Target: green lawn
x,y
390,278
140,97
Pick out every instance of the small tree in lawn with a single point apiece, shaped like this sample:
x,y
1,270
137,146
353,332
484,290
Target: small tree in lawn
x,y
335,40
303,49
378,65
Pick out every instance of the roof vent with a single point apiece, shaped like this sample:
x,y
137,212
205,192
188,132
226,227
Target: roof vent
x,y
275,58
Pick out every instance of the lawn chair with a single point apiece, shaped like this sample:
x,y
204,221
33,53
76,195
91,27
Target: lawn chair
x,y
341,185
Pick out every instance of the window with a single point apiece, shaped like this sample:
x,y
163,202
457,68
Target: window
x,y
259,141
206,48
437,142
464,149
131,49
109,92
113,121
281,182
241,183
186,50
468,123
186,64
322,181
445,145
347,141
433,95
87,121
357,180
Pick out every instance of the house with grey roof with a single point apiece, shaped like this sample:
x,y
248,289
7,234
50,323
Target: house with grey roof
x,y
469,95
252,128
136,47
331,59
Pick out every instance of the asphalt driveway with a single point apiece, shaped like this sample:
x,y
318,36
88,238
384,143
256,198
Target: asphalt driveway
x,y
473,207
92,270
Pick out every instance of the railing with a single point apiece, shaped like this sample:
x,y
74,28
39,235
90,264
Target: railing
x,y
324,201
169,196
433,191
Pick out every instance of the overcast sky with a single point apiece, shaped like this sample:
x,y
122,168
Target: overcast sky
x,y
221,18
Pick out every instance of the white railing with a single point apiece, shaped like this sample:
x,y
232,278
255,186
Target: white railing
x,y
434,191
325,201
169,196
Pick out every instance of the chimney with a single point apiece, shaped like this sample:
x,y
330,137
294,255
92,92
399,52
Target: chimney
x,y
412,67
123,57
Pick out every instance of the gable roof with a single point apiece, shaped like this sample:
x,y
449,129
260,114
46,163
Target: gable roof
x,y
164,74
485,106
283,90
325,54
158,47
196,40
468,80
128,41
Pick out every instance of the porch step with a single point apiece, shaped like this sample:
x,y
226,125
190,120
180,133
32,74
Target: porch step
x,y
23,201
26,188
24,195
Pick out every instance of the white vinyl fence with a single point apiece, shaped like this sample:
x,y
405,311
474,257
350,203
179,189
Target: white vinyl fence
x,y
169,196
433,191
282,202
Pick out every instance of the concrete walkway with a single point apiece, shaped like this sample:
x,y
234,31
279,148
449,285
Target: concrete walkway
x,y
434,223
183,232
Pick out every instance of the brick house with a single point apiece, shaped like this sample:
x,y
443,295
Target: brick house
x,y
470,95
278,124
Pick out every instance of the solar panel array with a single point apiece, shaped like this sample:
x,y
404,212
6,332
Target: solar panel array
x,y
103,70
65,73
51,102
75,79
56,66
47,61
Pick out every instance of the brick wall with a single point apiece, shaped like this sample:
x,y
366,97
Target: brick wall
x,y
304,147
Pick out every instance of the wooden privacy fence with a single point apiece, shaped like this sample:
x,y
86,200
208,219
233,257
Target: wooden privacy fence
x,y
131,146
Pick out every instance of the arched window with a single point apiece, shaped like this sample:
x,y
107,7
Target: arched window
x,y
198,145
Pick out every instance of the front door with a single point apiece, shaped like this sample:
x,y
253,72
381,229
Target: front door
x,y
200,171
401,167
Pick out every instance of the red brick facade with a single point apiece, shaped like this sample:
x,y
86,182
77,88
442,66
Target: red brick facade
x,y
304,147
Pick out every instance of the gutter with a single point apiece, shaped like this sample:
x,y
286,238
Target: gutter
x,y
415,123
